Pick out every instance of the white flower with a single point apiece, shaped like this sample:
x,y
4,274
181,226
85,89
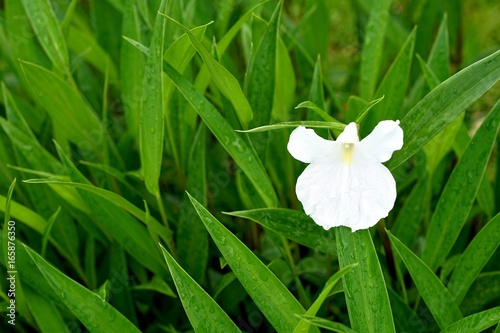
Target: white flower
x,y
346,183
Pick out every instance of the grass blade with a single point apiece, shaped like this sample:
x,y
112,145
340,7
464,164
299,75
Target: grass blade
x,y
327,324
475,257
49,32
335,126
261,75
445,103
131,68
66,107
239,150
475,323
211,318
223,79
393,87
293,225
88,307
269,294
151,129
458,196
46,314
192,237
304,324
373,43
364,286
436,296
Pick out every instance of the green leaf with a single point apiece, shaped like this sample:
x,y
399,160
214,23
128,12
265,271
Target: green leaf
x,y
24,214
156,284
119,284
203,78
319,111
293,225
336,126
239,150
223,79
393,87
411,214
371,54
364,286
439,57
436,296
131,68
211,318
269,294
66,107
285,87
458,196
49,32
151,128
327,324
483,292
430,77
90,309
438,61
475,323
355,106
261,75
192,237
445,103
367,108
46,314
179,54
113,198
475,257
405,319
485,196
304,325
84,43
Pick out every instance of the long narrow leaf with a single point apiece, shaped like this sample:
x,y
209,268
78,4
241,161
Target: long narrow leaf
x,y
224,80
364,286
475,323
445,103
269,294
48,31
203,312
88,307
244,155
373,43
475,257
152,124
294,225
460,191
436,296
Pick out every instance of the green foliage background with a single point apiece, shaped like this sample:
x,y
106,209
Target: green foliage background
x,y
143,160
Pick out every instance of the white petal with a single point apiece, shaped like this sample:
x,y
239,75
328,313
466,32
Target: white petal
x,y
305,145
385,138
350,134
356,194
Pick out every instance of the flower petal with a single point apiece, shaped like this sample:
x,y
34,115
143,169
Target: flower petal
x,y
305,145
356,194
385,138
350,134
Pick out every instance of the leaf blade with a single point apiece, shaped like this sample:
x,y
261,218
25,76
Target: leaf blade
x,y
445,103
193,297
430,287
364,287
268,293
458,196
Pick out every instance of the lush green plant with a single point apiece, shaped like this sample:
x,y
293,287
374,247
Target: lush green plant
x,y
155,192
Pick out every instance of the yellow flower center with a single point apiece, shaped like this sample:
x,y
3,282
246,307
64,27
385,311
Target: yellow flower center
x,y
348,148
